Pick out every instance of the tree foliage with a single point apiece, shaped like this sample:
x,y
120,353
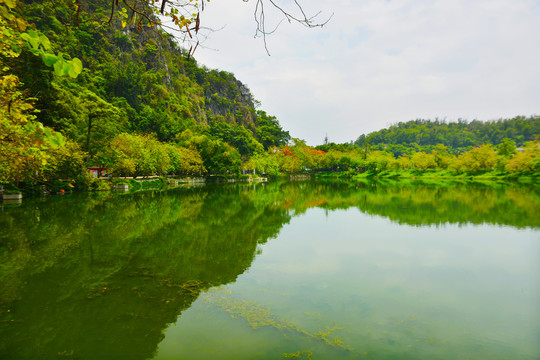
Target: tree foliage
x,y
269,131
136,80
139,104
29,151
143,155
458,136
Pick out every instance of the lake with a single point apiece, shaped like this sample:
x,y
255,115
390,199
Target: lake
x,y
282,270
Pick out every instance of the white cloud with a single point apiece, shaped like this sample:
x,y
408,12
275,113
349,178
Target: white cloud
x,y
379,62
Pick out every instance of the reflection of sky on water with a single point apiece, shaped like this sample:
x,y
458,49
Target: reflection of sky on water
x,y
467,286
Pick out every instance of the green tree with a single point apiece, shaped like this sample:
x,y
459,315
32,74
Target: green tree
x,y
269,131
86,117
455,135
218,157
237,136
266,163
506,148
377,161
184,160
66,162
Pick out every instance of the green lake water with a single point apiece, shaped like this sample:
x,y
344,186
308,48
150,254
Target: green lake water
x,y
302,270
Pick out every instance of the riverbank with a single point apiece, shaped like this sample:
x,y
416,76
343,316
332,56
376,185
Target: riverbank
x,y
61,187
159,183
429,175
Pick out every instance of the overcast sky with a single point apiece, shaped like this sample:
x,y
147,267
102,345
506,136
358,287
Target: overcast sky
x,y
378,62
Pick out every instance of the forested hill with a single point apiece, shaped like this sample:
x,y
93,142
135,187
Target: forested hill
x,y
92,83
135,79
454,135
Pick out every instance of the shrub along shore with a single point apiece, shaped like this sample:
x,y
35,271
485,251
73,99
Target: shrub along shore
x,y
141,156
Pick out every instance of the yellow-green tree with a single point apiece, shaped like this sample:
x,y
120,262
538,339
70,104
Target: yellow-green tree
x,y
128,151
404,162
482,158
527,160
265,163
218,156
441,156
190,161
26,146
65,162
139,155
423,161
377,161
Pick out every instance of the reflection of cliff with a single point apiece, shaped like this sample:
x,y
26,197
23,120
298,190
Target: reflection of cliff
x,y
100,278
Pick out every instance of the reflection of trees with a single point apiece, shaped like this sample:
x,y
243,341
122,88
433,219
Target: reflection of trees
x,y
416,203
102,277
461,204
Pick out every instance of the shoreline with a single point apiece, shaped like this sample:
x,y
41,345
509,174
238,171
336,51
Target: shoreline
x,y
156,182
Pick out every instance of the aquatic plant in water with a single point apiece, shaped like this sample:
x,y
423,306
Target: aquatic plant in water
x,y
301,354
259,316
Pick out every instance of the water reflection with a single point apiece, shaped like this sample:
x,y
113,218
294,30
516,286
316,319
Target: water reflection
x,y
102,275
418,203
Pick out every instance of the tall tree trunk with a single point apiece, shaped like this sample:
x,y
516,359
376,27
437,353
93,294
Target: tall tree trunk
x,y
90,125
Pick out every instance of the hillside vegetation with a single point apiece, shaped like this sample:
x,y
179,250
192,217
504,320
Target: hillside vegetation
x,y
420,134
81,88
135,83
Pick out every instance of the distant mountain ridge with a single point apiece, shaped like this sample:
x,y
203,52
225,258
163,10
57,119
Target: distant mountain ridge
x,y
460,134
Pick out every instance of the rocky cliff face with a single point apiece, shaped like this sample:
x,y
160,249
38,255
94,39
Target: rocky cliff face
x,y
228,99
140,70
